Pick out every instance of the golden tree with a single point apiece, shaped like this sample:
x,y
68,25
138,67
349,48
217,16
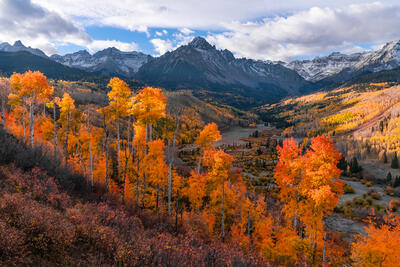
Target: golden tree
x,y
119,97
67,106
206,139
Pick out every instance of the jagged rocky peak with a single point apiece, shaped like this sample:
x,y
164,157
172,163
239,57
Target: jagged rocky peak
x,y
18,44
201,43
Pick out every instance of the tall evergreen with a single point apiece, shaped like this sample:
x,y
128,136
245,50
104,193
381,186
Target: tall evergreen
x,y
395,161
354,167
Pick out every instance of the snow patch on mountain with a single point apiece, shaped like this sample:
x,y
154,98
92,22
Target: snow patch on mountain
x,y
108,61
319,68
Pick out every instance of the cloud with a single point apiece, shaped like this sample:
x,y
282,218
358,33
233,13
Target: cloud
x,y
97,45
313,31
186,31
162,46
37,26
192,14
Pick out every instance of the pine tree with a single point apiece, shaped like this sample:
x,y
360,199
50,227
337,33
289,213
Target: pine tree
x,y
389,178
395,162
354,167
385,160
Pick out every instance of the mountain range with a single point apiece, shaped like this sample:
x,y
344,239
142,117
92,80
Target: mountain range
x,y
200,67
110,61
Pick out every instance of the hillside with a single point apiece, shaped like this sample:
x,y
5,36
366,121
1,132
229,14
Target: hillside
x,y
199,65
22,61
43,224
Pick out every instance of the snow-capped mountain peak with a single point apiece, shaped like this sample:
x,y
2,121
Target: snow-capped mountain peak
x,y
107,61
319,68
201,43
19,46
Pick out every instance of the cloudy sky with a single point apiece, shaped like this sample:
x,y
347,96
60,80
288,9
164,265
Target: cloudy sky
x,y
261,29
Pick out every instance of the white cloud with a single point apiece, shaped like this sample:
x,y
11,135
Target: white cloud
x,y
186,31
193,14
291,28
162,46
37,26
97,45
314,31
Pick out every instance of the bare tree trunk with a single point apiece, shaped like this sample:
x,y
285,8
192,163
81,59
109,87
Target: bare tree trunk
x,y
44,109
169,176
176,211
145,152
107,169
324,251
137,180
199,164
66,141
90,155
118,147
55,130
223,212
248,225
3,112
124,185
157,199
23,121
31,122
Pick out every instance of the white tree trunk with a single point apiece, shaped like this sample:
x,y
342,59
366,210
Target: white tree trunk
x,y
169,176
223,212
199,164
324,251
90,158
31,122
3,112
23,121
55,130
118,146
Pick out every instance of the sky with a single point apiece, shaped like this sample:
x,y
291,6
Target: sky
x,y
259,29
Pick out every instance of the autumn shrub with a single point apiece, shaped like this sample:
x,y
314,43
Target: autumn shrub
x,y
394,205
348,189
42,225
375,195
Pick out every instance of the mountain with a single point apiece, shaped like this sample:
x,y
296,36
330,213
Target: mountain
x,y
22,61
110,61
18,46
199,65
338,67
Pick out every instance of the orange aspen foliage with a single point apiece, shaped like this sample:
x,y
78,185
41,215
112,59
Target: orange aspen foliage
x,y
288,176
119,97
320,186
309,185
206,139
67,106
37,90
380,247
155,167
196,190
149,105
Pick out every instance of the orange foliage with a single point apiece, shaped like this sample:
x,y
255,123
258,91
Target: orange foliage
x,y
380,247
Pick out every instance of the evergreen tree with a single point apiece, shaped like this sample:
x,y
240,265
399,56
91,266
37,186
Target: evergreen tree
x,y
385,160
389,178
354,167
396,181
342,164
395,162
